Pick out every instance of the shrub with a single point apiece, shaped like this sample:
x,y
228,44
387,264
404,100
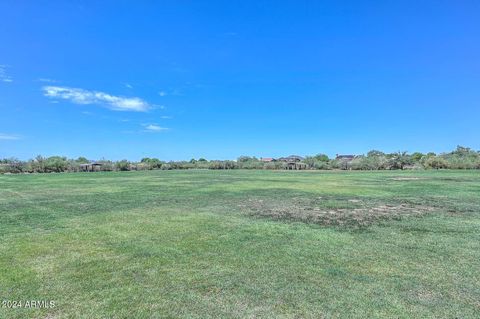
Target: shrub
x,y
436,162
122,165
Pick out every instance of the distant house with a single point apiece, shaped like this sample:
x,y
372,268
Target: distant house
x,y
91,167
293,162
291,159
346,158
267,159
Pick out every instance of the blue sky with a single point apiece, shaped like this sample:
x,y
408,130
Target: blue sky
x,y
219,79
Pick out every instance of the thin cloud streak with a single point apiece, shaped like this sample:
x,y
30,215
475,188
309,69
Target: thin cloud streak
x,y
4,77
9,137
47,80
81,96
154,128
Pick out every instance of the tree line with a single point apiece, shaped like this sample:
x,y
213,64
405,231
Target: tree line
x,y
460,158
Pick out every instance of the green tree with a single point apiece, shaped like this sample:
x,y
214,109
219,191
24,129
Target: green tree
x,y
399,160
56,164
436,162
244,159
374,153
322,157
82,160
417,156
122,165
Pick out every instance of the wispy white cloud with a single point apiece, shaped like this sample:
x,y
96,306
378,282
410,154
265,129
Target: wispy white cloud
x,y
4,136
174,92
166,117
4,77
154,128
128,86
46,80
81,96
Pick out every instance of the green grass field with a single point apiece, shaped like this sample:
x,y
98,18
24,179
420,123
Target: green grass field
x,y
242,244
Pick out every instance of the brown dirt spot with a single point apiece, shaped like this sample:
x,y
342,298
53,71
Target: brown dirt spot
x,y
311,211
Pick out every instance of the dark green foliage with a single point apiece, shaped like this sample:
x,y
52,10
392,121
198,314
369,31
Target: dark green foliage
x,y
322,157
122,165
416,157
463,158
82,160
244,159
436,162
399,160
151,163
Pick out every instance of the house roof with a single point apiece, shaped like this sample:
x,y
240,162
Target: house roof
x,y
291,158
91,164
345,156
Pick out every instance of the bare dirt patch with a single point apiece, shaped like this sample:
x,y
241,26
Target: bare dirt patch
x,y
324,211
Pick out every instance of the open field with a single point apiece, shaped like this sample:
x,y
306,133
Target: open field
x,y
235,244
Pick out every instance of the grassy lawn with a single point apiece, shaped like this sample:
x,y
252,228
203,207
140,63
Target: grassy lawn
x,y
242,244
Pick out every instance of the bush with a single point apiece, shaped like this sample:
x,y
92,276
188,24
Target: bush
x,y
436,162
321,165
122,165
56,164
270,165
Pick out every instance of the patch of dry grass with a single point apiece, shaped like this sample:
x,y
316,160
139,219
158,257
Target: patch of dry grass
x,y
349,212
